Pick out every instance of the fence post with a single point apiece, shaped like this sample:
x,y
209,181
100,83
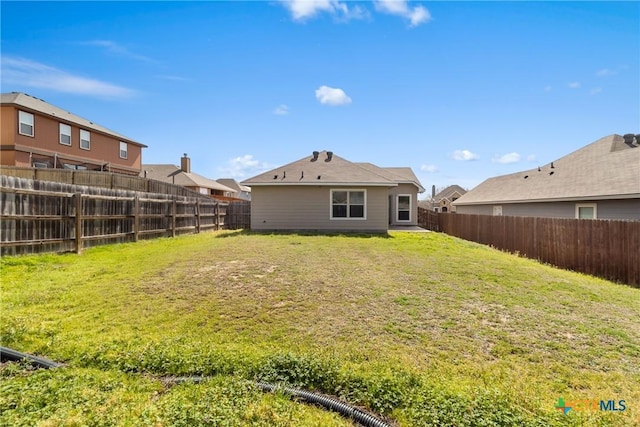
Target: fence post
x,y
197,215
217,212
136,217
174,209
78,197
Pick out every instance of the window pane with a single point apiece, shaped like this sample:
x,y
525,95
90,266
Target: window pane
x,y
26,129
65,139
356,211
85,139
339,211
585,212
403,216
356,197
339,197
26,118
404,203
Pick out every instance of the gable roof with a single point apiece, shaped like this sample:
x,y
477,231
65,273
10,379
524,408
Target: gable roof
x,y
448,192
174,175
36,104
323,170
400,175
232,183
605,169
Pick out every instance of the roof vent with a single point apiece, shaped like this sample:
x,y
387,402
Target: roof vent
x,y
329,156
315,156
628,138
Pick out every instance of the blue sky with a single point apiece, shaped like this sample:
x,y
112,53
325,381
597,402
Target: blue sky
x,y
459,91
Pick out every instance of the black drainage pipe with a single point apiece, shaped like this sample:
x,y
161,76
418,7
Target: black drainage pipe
x,y
342,408
16,356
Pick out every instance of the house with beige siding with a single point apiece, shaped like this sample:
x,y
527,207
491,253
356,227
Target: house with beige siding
x,y
598,181
325,192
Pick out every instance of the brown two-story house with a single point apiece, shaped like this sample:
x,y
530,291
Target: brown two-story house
x,y
38,134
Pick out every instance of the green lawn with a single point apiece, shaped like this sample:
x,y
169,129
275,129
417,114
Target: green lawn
x,y
423,329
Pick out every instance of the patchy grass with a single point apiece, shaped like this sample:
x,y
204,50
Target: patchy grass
x,y
423,328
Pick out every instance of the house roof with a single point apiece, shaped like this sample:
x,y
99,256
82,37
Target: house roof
x,y
232,183
328,169
174,175
448,192
36,104
400,175
608,168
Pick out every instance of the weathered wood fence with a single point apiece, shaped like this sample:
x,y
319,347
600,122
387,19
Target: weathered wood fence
x,y
38,216
603,248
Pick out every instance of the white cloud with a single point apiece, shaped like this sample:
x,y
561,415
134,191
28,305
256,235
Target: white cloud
x,y
595,91
332,96
429,168
116,49
605,72
531,158
25,72
303,9
507,158
574,85
281,110
243,166
416,15
547,88
463,155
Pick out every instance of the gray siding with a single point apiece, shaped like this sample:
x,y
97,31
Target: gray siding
x,y
308,208
627,209
403,189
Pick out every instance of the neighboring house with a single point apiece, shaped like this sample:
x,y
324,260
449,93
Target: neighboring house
x,y
441,202
326,192
598,181
37,134
242,191
184,177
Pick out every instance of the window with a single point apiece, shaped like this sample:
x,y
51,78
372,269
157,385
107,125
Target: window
x,y
65,134
85,139
435,209
404,207
497,210
26,123
348,204
123,150
587,211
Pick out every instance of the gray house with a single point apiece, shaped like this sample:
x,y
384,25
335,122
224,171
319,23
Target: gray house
x,y
326,192
598,181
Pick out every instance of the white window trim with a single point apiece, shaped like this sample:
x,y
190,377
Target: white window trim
x,y
21,121
126,150
60,134
364,217
398,207
587,205
88,139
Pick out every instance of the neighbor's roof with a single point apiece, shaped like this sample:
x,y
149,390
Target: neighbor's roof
x,y
448,192
174,175
606,169
322,171
36,104
232,183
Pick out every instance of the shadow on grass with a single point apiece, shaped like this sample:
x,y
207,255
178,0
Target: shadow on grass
x,y
248,232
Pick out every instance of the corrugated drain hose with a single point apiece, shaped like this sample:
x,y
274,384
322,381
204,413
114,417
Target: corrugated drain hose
x,y
342,408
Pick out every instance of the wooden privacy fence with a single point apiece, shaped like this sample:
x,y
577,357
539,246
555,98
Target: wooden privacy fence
x,y
52,217
603,248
